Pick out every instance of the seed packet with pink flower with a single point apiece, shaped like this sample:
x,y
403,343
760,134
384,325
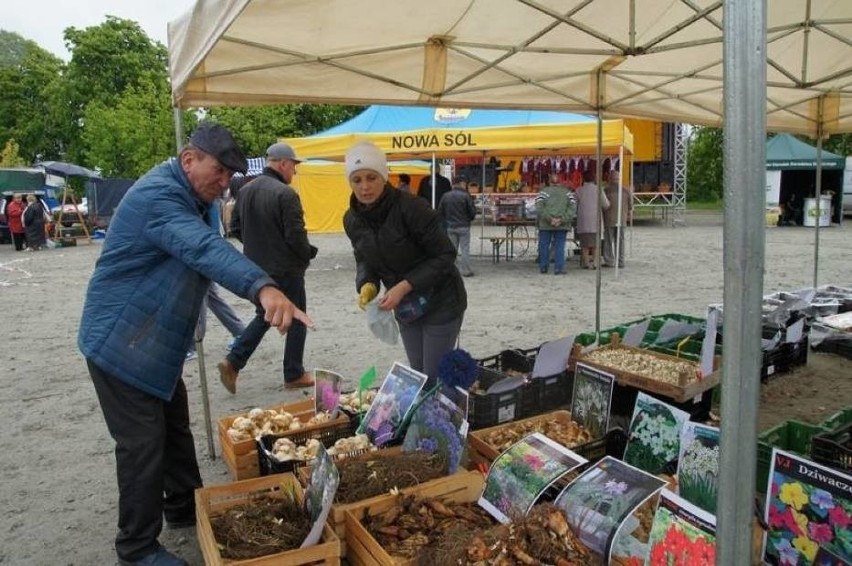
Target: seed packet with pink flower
x,y
809,513
523,472
327,386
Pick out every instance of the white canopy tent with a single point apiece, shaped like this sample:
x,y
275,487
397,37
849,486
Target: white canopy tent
x,y
786,66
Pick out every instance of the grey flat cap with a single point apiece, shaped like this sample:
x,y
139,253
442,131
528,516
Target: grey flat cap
x,y
279,151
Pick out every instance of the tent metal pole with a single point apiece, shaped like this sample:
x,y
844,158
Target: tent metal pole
x,y
482,202
599,214
619,233
744,70
178,129
818,187
434,176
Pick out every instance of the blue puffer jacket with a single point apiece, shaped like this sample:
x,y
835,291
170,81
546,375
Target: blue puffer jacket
x,y
146,292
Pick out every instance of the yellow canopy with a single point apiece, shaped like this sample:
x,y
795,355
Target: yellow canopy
x,y
576,139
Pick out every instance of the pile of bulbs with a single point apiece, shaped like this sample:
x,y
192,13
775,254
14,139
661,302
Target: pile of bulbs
x,y
260,422
350,402
285,449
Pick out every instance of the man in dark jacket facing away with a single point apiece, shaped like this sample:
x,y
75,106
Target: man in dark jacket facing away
x,y
269,221
424,189
457,210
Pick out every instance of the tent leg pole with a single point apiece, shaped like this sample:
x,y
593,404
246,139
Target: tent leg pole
x,y
744,48
599,213
178,129
482,201
818,187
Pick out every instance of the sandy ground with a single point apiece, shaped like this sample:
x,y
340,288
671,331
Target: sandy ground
x,y
58,492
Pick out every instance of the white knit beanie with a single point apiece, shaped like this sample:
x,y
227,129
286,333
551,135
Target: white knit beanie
x,y
365,155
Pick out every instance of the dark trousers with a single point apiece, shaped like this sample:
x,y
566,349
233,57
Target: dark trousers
x,y
20,240
155,460
294,344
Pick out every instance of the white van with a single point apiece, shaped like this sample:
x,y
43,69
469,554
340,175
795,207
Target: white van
x,y
847,188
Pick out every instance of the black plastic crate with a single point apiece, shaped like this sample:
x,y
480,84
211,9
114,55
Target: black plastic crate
x,y
551,392
783,358
834,449
327,436
624,401
841,347
491,409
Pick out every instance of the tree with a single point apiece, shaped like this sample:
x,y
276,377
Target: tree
x,y
10,157
28,74
704,172
257,127
127,139
106,61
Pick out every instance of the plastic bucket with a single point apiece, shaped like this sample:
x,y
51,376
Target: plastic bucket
x,y
824,211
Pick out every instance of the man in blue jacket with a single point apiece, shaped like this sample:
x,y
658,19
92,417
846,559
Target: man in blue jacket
x,y
141,308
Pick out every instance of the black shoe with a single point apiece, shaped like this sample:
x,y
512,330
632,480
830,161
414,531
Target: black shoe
x,y
160,557
542,270
559,272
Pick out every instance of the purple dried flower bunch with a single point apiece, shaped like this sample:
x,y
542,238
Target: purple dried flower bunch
x,y
436,432
458,369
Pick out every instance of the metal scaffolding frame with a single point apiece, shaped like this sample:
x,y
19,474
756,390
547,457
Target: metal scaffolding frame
x,y
681,141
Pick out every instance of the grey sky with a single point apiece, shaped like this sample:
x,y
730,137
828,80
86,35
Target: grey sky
x,y
43,21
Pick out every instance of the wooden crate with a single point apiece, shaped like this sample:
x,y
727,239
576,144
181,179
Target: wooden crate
x,y
487,453
337,520
362,548
685,390
241,457
210,501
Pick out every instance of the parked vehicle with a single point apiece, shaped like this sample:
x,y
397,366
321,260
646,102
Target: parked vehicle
x,y
69,214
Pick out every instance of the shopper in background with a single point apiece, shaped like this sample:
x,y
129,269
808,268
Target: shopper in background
x,y
457,210
141,308
398,242
404,183
268,219
34,219
613,223
555,210
14,214
590,201
424,190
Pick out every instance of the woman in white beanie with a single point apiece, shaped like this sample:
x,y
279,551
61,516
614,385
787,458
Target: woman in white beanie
x,y
399,242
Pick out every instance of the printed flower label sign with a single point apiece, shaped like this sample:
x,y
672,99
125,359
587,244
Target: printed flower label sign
x,y
682,534
438,426
591,399
393,402
654,437
519,475
327,386
319,495
809,513
698,465
598,501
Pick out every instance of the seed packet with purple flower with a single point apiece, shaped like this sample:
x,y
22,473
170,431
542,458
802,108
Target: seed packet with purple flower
x,y
319,494
393,402
438,426
599,500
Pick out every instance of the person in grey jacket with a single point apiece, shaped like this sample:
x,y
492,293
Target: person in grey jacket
x,y
141,308
457,210
269,221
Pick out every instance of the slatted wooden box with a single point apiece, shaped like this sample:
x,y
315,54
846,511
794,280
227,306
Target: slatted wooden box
x,y
211,501
241,457
363,550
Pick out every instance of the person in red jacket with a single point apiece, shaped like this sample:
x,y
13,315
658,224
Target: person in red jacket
x,y
14,212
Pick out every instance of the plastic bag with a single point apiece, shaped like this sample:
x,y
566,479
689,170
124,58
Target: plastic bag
x,y
382,323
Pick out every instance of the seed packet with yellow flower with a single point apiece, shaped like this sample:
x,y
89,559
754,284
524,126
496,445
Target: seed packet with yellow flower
x,y
809,512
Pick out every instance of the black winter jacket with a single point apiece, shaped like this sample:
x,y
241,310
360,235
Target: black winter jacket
x,y
269,221
456,208
400,237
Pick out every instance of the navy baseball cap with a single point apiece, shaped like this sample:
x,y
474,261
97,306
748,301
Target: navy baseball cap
x,y
216,140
